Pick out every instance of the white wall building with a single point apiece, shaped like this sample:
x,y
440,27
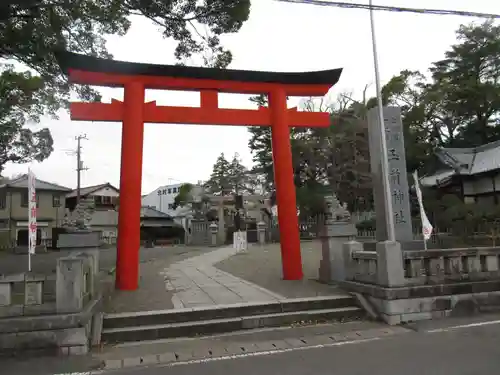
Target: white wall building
x,y
162,199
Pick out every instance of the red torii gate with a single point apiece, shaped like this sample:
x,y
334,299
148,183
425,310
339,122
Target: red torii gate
x,y
135,78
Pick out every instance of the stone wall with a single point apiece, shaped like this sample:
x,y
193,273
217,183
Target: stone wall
x,y
403,286
52,314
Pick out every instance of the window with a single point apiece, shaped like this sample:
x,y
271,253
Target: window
x,y
170,191
3,199
174,190
170,206
24,199
56,200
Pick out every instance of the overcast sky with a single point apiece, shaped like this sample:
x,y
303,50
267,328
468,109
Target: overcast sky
x,y
278,37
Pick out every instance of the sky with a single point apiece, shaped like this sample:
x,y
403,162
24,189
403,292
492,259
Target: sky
x,y
277,37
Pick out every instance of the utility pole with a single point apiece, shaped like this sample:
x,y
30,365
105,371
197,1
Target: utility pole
x,y
79,165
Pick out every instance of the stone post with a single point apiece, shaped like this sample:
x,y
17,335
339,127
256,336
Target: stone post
x,y
338,229
213,234
348,249
398,179
222,223
5,293
33,290
70,284
261,232
390,270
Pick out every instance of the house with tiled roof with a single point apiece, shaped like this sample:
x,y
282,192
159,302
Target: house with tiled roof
x,y
14,208
473,173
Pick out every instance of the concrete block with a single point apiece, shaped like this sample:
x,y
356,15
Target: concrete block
x,y
5,294
151,359
390,271
491,263
167,358
296,343
414,317
72,337
132,362
33,293
78,350
411,306
349,248
96,330
63,351
266,346
113,364
10,311
69,284
391,319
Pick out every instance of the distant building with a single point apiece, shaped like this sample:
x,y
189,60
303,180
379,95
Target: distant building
x,y
473,174
14,209
105,196
162,199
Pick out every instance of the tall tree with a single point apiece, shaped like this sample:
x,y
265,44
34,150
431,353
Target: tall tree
x,y
334,158
220,182
239,178
459,106
31,31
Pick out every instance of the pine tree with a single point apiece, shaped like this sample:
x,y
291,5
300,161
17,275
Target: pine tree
x,y
220,181
238,176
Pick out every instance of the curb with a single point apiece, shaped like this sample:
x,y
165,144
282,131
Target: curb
x,y
239,350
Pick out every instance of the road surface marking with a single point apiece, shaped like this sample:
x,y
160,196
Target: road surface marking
x,y
471,325
265,353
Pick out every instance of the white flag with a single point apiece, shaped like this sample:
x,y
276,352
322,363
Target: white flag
x,y
426,225
32,226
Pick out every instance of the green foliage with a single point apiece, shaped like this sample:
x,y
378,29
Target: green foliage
x,y
230,177
183,197
460,105
324,159
30,33
457,106
367,225
219,182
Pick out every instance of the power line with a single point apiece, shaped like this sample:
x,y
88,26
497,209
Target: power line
x,y
388,8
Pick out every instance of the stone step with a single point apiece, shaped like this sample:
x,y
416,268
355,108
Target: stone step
x,y
216,326
144,318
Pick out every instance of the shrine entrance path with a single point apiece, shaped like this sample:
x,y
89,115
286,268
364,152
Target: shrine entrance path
x,y
261,265
208,277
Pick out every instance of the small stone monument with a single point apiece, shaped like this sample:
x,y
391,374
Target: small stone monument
x,y
338,229
213,233
261,232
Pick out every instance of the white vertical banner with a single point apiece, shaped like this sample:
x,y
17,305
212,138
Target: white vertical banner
x,y
32,226
426,225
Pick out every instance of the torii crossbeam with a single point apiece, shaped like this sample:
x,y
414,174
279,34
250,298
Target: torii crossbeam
x,y
133,112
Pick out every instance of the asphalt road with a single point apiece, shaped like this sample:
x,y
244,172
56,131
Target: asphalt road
x,y
461,351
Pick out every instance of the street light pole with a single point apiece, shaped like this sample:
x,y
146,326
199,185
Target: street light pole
x,y
389,217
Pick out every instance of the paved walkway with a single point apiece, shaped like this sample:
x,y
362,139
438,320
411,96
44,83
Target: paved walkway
x,y
196,282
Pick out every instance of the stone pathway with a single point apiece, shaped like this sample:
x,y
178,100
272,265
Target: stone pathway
x,y
196,282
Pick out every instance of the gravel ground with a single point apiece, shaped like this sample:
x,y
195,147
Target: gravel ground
x,y
262,266
152,293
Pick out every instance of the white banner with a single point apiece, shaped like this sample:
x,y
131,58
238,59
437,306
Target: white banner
x,y
426,224
240,241
32,226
